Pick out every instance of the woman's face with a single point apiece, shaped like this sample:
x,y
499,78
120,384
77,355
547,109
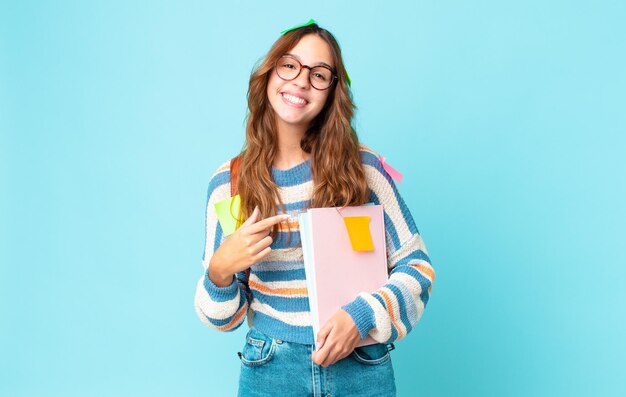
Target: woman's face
x,y
296,102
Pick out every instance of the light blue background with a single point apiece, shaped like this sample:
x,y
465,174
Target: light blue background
x,y
506,118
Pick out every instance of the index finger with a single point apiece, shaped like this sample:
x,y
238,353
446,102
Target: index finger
x,y
267,223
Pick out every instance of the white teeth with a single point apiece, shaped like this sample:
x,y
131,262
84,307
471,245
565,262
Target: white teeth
x,y
294,99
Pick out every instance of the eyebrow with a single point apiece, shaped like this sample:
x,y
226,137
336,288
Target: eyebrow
x,y
317,64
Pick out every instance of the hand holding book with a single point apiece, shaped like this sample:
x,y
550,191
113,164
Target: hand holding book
x,y
336,340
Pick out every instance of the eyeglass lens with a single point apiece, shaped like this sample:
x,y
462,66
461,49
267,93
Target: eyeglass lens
x,y
289,68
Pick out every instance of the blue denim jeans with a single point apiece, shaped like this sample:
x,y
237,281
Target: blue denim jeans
x,y
272,367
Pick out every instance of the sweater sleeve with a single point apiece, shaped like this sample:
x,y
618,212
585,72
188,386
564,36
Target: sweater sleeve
x,y
390,312
221,308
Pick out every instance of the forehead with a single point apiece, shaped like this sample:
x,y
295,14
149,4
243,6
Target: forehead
x,y
313,50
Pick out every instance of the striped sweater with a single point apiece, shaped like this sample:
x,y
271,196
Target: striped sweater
x,y
274,298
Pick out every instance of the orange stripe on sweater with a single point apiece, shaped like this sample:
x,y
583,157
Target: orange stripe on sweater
x,y
235,319
390,311
291,225
426,270
277,291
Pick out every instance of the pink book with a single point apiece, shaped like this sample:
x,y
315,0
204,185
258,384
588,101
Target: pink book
x,y
335,273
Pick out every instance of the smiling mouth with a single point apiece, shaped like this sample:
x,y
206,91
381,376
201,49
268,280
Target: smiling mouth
x,y
294,100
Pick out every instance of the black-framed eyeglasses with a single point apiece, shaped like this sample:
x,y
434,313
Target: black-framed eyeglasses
x,y
321,77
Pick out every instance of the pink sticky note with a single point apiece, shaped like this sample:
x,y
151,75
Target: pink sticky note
x,y
390,170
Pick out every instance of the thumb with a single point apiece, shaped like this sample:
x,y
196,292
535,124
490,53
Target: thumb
x,y
253,217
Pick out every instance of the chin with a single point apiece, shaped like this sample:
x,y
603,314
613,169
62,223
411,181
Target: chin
x,y
295,123
288,119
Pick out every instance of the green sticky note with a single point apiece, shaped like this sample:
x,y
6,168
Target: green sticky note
x,y
227,213
310,22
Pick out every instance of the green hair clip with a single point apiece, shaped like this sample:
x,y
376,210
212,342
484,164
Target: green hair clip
x,y
311,22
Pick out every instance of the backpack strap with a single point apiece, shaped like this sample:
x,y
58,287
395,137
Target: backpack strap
x,y
234,178
234,175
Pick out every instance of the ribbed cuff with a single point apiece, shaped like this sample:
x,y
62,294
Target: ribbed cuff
x,y
362,314
220,294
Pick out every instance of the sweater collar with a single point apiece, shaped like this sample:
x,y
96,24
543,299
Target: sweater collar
x,y
292,176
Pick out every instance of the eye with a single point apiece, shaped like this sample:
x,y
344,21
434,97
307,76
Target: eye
x,y
319,76
289,63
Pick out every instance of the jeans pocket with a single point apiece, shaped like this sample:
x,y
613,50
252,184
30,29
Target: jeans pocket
x,y
375,354
258,349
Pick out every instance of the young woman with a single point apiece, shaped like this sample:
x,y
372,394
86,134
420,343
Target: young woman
x,y
301,152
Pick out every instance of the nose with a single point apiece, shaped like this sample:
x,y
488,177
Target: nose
x,y
303,79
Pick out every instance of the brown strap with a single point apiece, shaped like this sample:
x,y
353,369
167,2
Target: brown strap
x,y
234,175
234,178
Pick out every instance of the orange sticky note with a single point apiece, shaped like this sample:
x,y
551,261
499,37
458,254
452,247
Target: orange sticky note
x,y
359,232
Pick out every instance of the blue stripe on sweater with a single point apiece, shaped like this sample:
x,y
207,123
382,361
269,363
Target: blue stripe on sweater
x,y
219,322
409,301
218,237
281,240
424,296
281,275
282,303
242,279
278,329
412,257
406,214
373,161
217,181
401,306
218,294
295,206
394,332
368,158
390,229
424,282
294,175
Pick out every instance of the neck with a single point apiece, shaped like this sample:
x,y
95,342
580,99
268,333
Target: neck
x,y
289,151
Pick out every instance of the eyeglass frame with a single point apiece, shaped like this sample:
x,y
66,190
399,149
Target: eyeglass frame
x,y
334,76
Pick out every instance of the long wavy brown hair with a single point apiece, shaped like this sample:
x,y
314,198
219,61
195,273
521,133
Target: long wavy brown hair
x,y
338,176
